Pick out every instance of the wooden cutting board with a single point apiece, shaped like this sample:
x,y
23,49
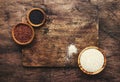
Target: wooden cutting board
x,y
69,28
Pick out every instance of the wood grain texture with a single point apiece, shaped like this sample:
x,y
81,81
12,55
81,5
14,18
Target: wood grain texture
x,y
68,22
11,69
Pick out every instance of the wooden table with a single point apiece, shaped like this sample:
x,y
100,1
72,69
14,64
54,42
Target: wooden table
x,y
11,69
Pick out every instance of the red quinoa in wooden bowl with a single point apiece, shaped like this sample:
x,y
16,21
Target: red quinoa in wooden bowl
x,y
23,33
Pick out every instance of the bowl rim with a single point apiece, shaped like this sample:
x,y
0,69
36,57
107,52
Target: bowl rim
x,y
43,21
98,71
21,43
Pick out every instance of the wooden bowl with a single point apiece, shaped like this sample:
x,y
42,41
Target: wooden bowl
x,y
20,37
96,72
36,17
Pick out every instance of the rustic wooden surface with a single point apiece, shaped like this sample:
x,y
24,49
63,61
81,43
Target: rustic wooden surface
x,y
11,69
66,24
